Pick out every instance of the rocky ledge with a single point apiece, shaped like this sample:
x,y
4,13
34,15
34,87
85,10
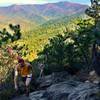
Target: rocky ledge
x,y
61,86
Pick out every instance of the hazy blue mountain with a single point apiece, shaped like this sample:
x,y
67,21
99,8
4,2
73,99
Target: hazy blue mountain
x,y
34,15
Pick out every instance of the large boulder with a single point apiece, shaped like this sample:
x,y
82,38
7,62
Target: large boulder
x,y
68,90
38,95
85,91
54,78
61,90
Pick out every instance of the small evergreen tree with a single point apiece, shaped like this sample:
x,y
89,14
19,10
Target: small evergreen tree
x,y
17,33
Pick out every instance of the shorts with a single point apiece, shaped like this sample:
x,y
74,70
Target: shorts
x,y
27,79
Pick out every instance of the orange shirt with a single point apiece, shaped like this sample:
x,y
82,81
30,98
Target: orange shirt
x,y
24,71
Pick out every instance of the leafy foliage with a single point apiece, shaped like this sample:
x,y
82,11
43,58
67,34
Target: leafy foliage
x,y
73,49
17,33
6,37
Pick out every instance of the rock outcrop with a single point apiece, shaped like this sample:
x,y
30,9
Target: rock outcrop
x,y
62,86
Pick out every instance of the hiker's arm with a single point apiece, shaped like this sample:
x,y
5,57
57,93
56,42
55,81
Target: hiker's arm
x,y
16,77
41,71
30,68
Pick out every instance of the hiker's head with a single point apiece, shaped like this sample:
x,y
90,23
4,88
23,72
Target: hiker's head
x,y
41,65
21,61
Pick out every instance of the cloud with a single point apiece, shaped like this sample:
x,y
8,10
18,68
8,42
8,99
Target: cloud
x,y
27,1
22,1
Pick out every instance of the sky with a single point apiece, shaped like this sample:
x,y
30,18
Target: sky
x,y
10,2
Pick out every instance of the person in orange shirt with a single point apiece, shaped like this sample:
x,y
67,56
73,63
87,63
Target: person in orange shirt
x,y
24,70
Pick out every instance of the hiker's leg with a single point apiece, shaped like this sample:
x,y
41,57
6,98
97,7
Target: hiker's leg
x,y
28,80
22,85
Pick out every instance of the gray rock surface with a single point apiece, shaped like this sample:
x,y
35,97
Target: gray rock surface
x,y
22,97
84,91
61,86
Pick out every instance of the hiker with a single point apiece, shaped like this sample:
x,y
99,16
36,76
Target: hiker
x,y
23,70
41,67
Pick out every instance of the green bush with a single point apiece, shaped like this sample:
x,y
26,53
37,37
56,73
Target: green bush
x,y
72,49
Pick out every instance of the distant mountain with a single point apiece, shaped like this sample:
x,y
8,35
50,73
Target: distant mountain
x,y
30,16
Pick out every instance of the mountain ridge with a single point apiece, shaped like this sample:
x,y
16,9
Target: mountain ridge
x,y
38,14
